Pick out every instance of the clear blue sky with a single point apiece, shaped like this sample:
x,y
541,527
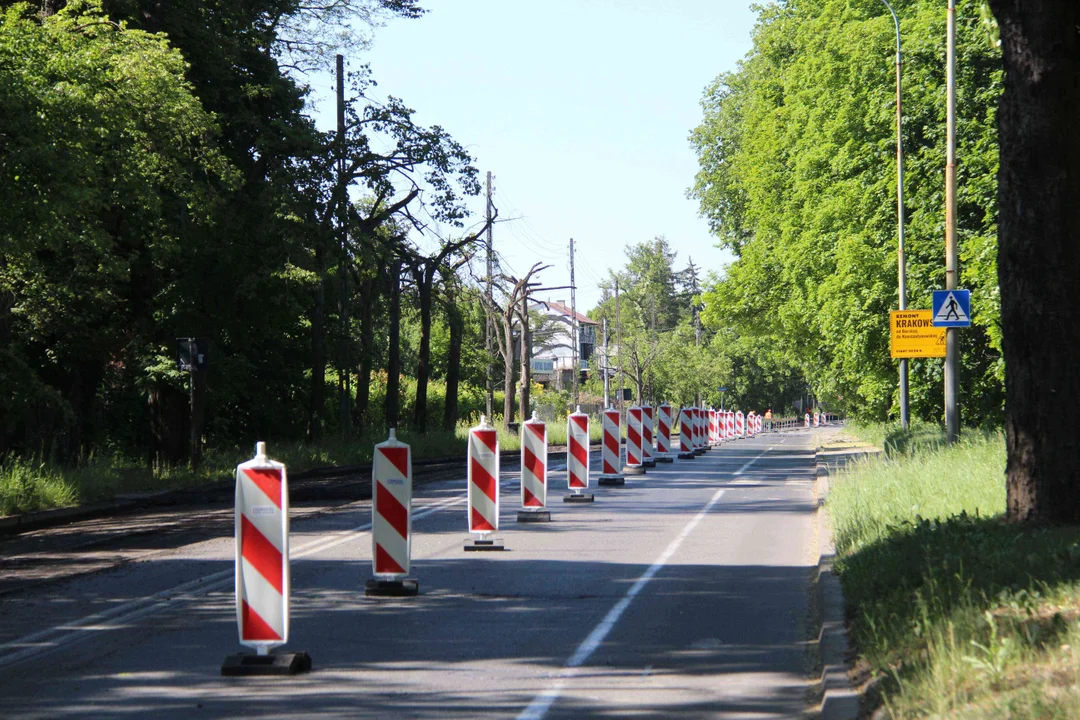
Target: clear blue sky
x,y
581,109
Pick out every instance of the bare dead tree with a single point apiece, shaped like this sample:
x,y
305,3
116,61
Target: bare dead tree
x,y
503,315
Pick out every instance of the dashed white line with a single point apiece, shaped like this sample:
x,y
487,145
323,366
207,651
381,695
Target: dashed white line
x,y
540,705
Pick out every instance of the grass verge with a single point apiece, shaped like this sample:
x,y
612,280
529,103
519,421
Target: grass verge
x,y
957,613
27,485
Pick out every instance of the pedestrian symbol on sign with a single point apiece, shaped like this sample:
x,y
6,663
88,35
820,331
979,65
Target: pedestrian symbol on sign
x,y
952,308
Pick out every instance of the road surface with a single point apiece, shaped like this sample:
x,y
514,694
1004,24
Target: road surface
x,y
684,594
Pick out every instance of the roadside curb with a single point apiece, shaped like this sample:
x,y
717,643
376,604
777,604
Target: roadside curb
x,y
15,524
839,699
309,487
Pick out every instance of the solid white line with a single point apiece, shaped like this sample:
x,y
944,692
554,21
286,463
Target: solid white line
x,y
56,637
539,707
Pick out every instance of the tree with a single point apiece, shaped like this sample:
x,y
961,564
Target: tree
x,y
503,315
1039,255
797,179
392,177
639,350
110,174
650,283
424,270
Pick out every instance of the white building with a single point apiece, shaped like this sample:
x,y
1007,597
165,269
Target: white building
x,y
553,349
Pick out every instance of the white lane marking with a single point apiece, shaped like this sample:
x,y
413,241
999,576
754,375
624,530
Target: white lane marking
x,y
59,636
56,637
539,707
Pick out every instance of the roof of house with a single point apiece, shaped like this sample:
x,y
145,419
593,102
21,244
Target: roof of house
x,y
562,309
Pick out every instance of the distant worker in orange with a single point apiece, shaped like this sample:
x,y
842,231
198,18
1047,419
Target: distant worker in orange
x,y
768,418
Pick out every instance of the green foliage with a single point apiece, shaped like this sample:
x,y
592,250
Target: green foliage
x,y
797,179
162,180
27,486
673,359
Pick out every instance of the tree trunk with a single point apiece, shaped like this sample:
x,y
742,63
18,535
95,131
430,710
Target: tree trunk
x,y
423,364
168,421
198,416
526,370
6,301
1039,256
453,364
364,363
393,355
318,351
508,393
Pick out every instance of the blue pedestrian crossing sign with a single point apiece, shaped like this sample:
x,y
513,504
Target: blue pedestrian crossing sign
x,y
951,308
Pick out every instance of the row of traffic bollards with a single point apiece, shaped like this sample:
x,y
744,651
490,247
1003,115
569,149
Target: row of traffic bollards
x,y
262,508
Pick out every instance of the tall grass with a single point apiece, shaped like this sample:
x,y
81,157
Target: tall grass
x,y
26,486
875,495
957,612
891,438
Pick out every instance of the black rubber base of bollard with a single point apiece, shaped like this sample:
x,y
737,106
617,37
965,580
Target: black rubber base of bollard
x,y
527,516
407,587
484,545
633,470
611,480
648,464
687,456
578,498
700,451
245,664
665,459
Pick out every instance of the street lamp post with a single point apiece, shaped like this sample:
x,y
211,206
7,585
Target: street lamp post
x,y
900,260
952,268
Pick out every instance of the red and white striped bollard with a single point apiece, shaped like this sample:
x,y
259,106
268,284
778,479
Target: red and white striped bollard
x,y
634,457
483,487
391,520
648,454
262,568
611,449
686,434
699,431
663,433
577,457
534,472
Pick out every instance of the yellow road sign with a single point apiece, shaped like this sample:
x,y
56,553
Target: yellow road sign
x,y
913,334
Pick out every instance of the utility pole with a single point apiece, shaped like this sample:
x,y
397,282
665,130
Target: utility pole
x,y
490,399
697,316
573,320
618,332
952,415
901,269
344,390
604,369
195,437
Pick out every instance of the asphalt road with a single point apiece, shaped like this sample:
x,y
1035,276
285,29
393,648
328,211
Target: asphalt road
x,y
683,594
